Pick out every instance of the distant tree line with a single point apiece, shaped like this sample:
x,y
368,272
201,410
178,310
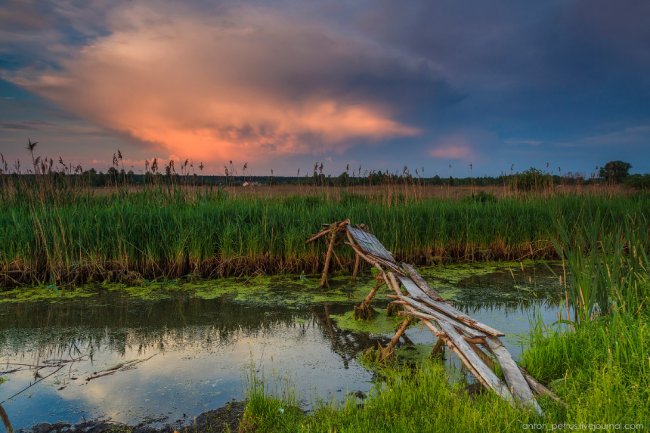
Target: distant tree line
x,y
183,173
528,180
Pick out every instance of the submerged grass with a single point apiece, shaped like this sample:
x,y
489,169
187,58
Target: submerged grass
x,y
160,234
380,323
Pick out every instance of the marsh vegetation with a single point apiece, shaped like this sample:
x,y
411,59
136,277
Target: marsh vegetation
x,y
131,268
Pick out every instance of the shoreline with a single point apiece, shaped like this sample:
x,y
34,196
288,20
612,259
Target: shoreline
x,y
223,419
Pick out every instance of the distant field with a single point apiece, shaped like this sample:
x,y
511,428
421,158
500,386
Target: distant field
x,y
389,191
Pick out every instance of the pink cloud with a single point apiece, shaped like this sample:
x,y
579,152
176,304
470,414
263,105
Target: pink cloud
x,y
458,146
218,87
451,152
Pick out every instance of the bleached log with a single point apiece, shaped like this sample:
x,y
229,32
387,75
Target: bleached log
x,y
515,380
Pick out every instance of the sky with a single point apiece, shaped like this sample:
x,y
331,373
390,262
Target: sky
x,y
454,87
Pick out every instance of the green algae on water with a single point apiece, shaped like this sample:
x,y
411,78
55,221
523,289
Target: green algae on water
x,y
289,290
44,294
279,290
380,324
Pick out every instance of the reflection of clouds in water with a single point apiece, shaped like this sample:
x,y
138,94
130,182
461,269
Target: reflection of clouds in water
x,y
205,349
185,378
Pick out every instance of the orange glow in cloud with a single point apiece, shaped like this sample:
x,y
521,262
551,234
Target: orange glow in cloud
x,y
218,88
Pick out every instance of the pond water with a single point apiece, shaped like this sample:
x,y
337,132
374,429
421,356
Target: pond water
x,y
161,355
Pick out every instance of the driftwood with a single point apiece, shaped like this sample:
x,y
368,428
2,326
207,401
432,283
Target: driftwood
x,y
122,366
419,281
56,364
328,256
357,263
463,335
539,388
515,380
363,310
437,348
446,309
387,352
472,361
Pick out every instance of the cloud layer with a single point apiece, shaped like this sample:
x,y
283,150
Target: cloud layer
x,y
285,83
247,83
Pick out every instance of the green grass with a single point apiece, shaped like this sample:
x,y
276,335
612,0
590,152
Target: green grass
x,y
598,362
159,234
407,401
602,369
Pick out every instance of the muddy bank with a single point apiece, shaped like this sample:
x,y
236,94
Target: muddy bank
x,y
223,419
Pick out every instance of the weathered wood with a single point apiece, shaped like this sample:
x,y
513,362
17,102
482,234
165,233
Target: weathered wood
x,y
458,331
357,262
421,283
386,352
318,235
515,380
473,362
416,292
484,356
336,258
376,261
373,291
411,287
370,244
390,265
470,359
363,310
394,283
539,388
437,348
358,250
461,317
431,314
328,256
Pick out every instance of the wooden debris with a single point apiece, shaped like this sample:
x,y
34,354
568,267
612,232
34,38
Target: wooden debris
x,y
370,244
438,348
364,311
539,388
123,366
515,380
357,263
388,351
419,281
328,257
459,332
473,362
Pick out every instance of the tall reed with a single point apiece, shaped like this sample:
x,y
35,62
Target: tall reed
x,y
607,264
160,233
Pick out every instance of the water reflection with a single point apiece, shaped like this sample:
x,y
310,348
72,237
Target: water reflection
x,y
51,330
200,351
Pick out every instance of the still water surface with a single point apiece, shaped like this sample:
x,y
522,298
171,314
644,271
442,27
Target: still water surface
x,y
197,354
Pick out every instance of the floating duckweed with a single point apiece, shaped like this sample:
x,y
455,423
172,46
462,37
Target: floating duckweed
x,y
287,289
380,324
44,294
